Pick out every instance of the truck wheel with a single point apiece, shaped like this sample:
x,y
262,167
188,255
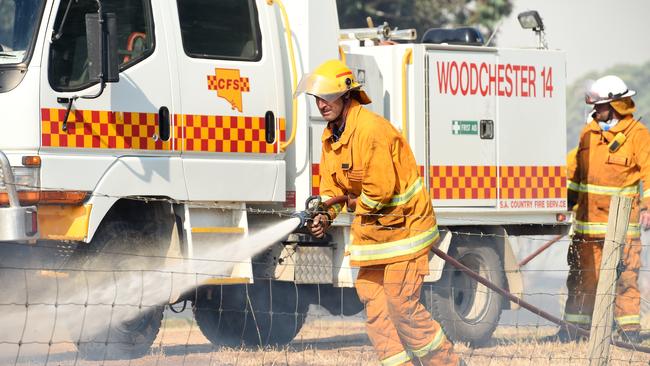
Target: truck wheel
x,y
467,310
113,247
339,300
127,340
263,314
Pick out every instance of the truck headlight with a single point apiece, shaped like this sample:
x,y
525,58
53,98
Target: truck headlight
x,y
27,183
25,178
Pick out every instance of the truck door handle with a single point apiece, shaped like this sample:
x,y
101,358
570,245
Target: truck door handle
x,y
487,129
163,124
269,127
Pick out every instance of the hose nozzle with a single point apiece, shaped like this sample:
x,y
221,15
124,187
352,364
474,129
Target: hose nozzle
x,y
304,216
314,206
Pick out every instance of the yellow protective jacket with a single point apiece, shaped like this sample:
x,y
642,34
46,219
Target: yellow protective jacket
x,y
601,173
571,162
571,166
394,218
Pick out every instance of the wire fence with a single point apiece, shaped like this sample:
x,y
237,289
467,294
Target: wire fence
x,y
108,305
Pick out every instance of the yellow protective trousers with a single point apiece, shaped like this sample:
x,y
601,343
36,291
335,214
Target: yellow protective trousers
x,y
584,258
399,327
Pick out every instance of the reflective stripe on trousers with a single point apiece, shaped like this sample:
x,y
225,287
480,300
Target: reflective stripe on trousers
x,y
369,252
600,228
406,356
586,319
628,320
604,190
397,359
577,318
435,343
396,200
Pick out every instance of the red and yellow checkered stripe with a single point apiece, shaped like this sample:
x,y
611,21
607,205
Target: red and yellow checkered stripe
x,y
101,130
225,134
133,130
532,182
463,182
315,179
483,182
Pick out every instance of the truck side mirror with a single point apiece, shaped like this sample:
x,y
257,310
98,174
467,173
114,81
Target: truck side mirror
x,y
102,48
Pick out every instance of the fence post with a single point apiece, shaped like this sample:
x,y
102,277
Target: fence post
x,y
603,315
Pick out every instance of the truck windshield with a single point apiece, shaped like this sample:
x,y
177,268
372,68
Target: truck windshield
x,y
18,22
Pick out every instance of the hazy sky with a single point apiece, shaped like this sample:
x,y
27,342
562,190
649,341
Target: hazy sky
x,y
595,34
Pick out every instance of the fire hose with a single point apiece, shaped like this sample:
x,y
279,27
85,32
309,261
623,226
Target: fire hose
x,y
540,250
314,205
533,309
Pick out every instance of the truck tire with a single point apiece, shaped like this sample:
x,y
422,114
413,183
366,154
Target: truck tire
x,y
466,310
339,300
132,338
263,314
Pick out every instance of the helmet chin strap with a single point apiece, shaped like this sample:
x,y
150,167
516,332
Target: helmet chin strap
x,y
344,110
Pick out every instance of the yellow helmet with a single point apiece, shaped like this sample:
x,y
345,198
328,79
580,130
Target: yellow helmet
x,y
331,80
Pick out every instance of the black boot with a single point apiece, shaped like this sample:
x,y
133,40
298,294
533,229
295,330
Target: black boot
x,y
630,336
565,335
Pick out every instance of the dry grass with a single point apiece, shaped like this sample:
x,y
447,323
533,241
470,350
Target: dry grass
x,y
528,346
337,341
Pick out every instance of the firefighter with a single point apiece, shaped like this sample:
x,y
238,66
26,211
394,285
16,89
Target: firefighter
x,y
367,159
613,157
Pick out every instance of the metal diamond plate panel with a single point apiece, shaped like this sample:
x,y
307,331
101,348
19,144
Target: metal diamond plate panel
x,y
313,265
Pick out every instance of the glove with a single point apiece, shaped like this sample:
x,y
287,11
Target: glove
x,y
644,220
351,203
319,225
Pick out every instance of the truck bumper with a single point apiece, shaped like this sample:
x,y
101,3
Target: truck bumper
x,y
17,223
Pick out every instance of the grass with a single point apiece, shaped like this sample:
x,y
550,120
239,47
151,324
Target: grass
x,y
331,340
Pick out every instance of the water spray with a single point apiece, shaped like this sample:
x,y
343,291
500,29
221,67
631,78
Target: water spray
x,y
85,307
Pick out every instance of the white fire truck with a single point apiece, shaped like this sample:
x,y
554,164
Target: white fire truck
x,y
172,123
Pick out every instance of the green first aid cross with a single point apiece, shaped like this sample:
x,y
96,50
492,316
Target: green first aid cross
x,y
464,127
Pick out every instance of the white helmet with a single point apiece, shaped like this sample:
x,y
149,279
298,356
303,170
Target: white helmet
x,y
607,89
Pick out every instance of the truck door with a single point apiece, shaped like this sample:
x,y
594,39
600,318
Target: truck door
x,y
129,119
462,103
231,90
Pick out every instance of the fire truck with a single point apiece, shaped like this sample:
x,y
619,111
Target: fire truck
x,y
167,127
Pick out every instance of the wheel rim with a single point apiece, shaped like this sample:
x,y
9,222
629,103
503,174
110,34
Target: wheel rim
x,y
470,298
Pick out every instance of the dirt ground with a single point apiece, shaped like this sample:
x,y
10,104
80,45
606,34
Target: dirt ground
x,y
331,340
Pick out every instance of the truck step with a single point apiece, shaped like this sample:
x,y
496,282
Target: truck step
x,y
207,227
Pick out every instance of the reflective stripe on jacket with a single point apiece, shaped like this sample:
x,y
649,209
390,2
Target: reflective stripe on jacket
x,y
371,160
601,173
